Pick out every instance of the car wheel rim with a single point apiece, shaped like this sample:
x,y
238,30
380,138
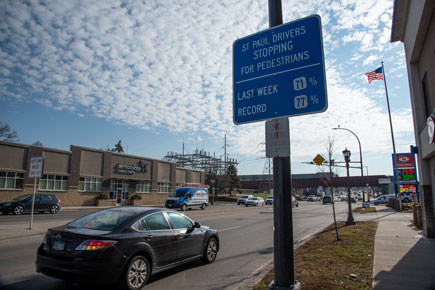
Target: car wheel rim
x,y
211,250
18,210
54,209
138,273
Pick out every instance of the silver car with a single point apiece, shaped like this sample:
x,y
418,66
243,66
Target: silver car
x,y
242,199
255,201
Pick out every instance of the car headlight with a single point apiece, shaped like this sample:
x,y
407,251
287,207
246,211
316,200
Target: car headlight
x,y
6,204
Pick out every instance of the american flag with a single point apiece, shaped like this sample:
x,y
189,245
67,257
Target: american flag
x,y
375,75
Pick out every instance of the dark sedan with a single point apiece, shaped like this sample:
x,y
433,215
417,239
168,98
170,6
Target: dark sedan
x,y
124,245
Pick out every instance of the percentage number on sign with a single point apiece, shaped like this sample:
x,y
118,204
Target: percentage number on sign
x,y
313,81
314,99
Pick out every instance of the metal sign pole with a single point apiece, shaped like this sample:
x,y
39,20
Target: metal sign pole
x,y
35,171
33,202
282,201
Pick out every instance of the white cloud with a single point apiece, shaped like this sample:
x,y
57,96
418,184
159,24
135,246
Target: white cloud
x,y
166,65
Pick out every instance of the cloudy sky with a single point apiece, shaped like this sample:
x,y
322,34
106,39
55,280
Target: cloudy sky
x,y
158,73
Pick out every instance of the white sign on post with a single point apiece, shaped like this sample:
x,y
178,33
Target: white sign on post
x,y
277,138
35,171
36,165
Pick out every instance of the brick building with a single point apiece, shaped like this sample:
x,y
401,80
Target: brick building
x,y
82,174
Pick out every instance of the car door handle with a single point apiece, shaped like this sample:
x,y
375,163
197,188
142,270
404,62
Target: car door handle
x,y
180,235
149,237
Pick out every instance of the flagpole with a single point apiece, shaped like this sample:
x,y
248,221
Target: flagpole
x,y
394,145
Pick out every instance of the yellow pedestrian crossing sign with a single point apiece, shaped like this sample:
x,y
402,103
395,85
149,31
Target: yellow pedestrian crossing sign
x,y
319,159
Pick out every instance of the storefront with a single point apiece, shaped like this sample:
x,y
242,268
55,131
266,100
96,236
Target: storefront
x,y
82,175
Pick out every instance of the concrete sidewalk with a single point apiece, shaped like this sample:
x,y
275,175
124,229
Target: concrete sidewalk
x,y
403,257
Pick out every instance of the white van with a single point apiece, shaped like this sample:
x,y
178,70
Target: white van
x,y
188,197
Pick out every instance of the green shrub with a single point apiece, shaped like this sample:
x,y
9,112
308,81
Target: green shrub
x,y
103,196
136,197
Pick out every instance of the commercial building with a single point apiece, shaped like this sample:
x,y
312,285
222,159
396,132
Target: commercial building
x,y
82,174
414,25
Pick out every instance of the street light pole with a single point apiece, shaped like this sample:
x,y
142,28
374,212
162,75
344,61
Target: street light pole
x,y
350,220
360,156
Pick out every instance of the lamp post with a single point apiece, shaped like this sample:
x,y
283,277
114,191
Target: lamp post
x,y
360,156
350,220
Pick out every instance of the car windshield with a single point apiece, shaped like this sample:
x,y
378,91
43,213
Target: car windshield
x,y
22,197
104,220
179,193
270,197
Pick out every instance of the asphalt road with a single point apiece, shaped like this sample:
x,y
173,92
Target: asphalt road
x,y
246,237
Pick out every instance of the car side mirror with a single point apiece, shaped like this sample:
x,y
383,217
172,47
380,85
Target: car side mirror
x,y
197,225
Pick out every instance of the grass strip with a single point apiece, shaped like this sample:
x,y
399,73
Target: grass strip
x,y
323,263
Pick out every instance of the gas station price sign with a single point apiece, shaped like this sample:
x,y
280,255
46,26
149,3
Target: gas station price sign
x,y
407,174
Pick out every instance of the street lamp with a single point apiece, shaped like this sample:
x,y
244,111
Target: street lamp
x,y
360,155
350,220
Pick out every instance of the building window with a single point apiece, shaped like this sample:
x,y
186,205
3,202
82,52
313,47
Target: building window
x,y
426,97
143,186
53,182
11,180
163,187
90,184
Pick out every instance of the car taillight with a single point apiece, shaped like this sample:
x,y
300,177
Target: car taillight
x,y
92,245
44,243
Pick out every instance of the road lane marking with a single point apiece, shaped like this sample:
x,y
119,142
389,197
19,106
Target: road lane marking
x,y
233,228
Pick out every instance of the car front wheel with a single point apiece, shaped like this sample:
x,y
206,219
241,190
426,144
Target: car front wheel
x,y
54,209
18,210
183,207
136,273
203,206
210,252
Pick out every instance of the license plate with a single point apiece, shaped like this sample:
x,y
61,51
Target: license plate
x,y
58,245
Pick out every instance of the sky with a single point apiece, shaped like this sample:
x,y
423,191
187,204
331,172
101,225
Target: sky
x,y
157,74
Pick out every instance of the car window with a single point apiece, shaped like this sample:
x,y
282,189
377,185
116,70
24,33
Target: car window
x,y
105,220
140,225
156,222
46,197
178,221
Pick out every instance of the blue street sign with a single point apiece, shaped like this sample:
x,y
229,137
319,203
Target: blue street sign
x,y
280,72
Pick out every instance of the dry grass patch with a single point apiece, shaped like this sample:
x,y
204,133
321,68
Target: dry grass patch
x,y
365,210
326,264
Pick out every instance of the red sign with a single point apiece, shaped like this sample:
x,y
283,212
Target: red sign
x,y
405,160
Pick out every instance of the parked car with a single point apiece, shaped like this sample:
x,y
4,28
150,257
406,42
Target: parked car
x,y
243,198
23,203
269,200
311,198
407,197
295,203
255,201
383,199
124,245
327,199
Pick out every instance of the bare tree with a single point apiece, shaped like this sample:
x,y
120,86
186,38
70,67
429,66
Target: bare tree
x,y
38,144
328,181
6,134
118,148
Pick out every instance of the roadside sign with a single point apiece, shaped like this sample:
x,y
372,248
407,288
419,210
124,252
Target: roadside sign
x,y
277,138
36,166
319,159
279,72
